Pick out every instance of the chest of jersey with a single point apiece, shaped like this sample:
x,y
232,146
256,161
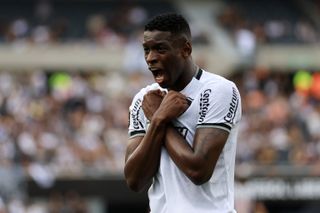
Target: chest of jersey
x,y
187,122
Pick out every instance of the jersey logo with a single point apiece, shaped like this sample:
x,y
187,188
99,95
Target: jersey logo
x,y
183,131
204,104
135,115
232,107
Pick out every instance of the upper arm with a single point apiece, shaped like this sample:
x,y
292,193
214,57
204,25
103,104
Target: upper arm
x,y
220,106
137,120
208,145
133,143
136,124
220,110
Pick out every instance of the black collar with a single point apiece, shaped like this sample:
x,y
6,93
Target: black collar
x,y
198,74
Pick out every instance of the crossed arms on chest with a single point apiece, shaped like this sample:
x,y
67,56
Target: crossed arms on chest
x,y
197,162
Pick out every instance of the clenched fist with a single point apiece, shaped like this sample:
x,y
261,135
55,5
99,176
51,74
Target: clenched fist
x,y
151,102
172,106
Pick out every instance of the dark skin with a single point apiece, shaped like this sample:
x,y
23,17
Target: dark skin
x,y
169,59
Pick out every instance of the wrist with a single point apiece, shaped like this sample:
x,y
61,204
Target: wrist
x,y
158,120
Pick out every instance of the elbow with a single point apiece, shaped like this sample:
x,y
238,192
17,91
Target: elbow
x,y
137,184
199,177
132,182
199,180
199,172
133,185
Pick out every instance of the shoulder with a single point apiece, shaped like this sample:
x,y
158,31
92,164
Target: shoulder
x,y
216,83
219,101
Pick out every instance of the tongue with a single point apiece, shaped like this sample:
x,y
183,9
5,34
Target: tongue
x,y
159,79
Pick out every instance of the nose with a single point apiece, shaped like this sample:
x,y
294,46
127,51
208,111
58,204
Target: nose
x,y
151,57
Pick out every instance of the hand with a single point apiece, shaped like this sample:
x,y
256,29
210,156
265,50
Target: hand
x,y
172,106
151,102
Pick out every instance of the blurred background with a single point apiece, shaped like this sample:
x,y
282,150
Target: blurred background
x,y
68,72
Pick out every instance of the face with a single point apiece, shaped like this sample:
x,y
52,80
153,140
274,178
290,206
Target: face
x,y
164,58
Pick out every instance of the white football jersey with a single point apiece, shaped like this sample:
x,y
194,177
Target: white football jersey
x,y
214,102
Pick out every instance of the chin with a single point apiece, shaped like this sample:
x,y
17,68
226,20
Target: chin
x,y
164,86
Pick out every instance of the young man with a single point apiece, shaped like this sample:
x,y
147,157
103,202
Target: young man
x,y
183,128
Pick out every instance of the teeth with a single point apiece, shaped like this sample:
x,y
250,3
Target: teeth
x,y
153,68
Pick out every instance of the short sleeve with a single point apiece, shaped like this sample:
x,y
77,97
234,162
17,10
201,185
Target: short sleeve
x,y
220,106
137,120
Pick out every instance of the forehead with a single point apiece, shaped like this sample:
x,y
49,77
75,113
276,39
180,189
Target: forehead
x,y
156,36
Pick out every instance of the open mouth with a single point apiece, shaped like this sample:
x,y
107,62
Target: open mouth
x,y
158,75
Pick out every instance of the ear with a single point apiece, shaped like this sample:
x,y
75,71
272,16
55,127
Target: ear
x,y
186,49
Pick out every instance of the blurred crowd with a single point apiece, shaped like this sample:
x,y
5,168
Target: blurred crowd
x,y
99,22
280,124
252,24
74,124
61,125
105,22
270,21
47,21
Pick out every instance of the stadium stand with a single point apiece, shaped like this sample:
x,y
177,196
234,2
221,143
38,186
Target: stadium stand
x,y
271,21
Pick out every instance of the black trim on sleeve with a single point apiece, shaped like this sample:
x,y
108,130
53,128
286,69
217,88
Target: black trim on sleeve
x,y
136,132
221,125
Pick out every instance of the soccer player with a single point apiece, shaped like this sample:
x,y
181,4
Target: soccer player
x,y
183,128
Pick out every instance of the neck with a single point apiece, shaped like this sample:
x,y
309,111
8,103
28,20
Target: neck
x,y
189,72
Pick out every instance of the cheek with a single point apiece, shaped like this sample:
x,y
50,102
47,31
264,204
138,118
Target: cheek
x,y
174,61
177,65
174,65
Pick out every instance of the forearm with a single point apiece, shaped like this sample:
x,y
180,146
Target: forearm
x,y
185,157
143,162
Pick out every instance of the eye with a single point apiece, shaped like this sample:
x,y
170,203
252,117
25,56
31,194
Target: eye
x,y
161,49
146,50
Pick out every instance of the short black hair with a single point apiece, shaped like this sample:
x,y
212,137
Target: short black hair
x,y
174,23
